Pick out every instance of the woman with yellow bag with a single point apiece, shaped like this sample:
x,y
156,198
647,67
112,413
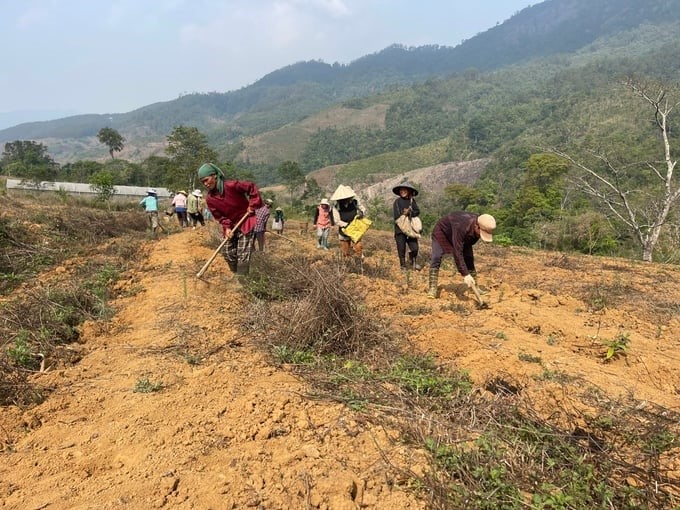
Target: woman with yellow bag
x,y
347,207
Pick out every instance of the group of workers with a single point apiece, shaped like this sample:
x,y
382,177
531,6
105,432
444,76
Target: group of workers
x,y
239,208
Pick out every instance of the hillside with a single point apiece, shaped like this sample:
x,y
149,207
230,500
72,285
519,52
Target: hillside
x,y
551,29
228,427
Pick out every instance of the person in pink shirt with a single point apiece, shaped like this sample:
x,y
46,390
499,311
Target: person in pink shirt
x,y
180,203
323,221
229,201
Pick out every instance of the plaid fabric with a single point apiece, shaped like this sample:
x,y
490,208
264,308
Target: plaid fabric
x,y
237,250
261,217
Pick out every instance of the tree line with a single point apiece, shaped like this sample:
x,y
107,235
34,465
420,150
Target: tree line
x,y
600,183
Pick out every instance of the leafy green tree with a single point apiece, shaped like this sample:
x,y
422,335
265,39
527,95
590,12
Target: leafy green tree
x,y
112,139
462,196
540,196
28,160
79,171
102,184
291,175
189,149
156,170
125,172
312,190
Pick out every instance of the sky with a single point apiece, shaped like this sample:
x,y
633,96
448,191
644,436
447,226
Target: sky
x,y
67,57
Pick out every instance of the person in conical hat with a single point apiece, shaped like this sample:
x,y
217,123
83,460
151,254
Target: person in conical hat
x,y
150,204
323,221
342,193
195,205
405,205
279,221
180,203
232,203
347,207
456,233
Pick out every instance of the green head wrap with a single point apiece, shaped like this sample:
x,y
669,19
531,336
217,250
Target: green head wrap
x,y
210,169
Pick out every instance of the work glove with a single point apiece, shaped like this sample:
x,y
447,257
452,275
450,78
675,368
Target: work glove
x,y
360,214
469,281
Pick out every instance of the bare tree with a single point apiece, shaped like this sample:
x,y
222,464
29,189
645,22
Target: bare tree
x,y
643,212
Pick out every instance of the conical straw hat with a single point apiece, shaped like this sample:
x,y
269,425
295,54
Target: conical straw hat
x,y
342,192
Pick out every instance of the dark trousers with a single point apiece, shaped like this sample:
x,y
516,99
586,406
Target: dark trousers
x,y
196,217
259,237
402,241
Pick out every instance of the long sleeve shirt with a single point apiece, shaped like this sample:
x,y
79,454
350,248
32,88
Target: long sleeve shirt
x,y
194,204
179,201
261,217
150,203
345,211
456,234
229,207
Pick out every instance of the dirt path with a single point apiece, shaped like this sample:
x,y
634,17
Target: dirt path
x,y
228,430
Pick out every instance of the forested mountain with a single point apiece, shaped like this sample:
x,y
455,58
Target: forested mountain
x,y
568,106
304,88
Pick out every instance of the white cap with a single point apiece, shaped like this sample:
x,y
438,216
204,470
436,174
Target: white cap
x,y
487,224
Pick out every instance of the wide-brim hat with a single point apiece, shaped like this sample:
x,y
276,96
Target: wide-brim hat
x,y
324,201
268,201
342,193
278,209
151,191
487,224
197,193
406,185
183,192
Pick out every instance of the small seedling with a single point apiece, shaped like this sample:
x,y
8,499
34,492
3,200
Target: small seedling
x,y
617,347
529,358
20,353
146,385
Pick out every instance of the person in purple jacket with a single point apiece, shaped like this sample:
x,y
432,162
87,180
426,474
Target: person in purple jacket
x,y
456,233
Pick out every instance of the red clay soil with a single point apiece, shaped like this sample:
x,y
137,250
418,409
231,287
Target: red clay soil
x,y
233,431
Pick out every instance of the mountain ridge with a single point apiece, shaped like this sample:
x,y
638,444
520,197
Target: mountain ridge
x,y
304,88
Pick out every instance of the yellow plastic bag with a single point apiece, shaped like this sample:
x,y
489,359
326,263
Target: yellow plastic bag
x,y
357,228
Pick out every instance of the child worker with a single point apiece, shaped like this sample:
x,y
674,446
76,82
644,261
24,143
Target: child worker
x,y
323,221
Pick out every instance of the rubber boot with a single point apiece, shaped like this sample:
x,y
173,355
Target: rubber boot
x,y
405,273
434,278
412,259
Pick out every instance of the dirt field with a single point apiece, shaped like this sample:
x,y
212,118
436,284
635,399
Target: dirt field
x,y
235,432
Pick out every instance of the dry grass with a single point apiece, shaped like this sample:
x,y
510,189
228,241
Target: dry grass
x,y
303,302
487,449
39,323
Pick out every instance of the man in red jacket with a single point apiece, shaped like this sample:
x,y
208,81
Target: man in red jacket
x,y
230,201
456,233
